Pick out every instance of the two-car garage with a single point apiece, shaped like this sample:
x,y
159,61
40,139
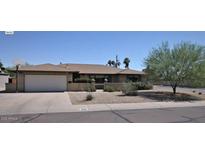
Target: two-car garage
x,y
41,78
45,83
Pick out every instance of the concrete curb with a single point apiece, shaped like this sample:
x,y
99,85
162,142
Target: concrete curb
x,y
110,107
133,106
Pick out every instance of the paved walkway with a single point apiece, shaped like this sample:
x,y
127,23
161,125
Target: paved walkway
x,y
128,106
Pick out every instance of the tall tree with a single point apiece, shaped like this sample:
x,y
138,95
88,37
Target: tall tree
x,y
113,63
175,65
109,62
1,64
126,62
117,62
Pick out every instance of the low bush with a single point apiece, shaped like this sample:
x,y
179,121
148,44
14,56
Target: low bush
x,y
91,87
89,97
109,88
138,86
143,85
131,88
127,87
148,86
113,86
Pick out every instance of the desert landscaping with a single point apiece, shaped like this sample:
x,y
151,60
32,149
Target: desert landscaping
x,y
157,94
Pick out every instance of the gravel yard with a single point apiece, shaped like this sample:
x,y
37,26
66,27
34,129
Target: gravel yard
x,y
106,98
159,93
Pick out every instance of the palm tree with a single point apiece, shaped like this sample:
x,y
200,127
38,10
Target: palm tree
x,y
113,63
1,65
126,62
117,62
109,62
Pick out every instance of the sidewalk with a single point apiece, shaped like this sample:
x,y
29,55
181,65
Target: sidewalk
x,y
35,103
132,106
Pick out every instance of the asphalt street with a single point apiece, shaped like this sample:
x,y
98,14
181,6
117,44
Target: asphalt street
x,y
163,115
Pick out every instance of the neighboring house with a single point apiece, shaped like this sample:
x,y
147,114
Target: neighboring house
x,y
3,79
49,77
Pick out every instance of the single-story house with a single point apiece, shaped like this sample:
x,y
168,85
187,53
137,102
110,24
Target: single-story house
x,y
49,77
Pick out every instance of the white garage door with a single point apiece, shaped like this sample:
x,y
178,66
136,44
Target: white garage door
x,y
45,83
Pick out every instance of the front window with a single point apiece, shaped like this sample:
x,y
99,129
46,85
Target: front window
x,y
101,78
133,78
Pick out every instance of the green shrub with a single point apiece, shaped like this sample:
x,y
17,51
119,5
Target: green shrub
x,y
141,85
91,87
131,88
148,86
127,87
89,97
108,88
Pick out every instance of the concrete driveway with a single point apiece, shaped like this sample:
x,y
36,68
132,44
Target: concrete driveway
x,y
24,103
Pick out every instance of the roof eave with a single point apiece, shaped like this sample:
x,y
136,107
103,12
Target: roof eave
x,y
44,71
